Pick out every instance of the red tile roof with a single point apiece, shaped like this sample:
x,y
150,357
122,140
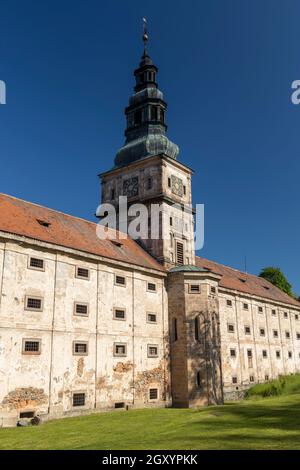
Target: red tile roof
x,y
21,218
247,283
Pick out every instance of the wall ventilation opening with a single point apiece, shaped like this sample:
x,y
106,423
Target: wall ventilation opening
x,y
120,405
44,223
26,414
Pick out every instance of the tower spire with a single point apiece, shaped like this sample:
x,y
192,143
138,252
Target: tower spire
x,y
145,35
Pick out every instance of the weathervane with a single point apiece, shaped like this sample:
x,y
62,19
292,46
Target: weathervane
x,y
145,35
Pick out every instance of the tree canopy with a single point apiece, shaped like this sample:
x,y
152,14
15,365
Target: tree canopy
x,y
277,278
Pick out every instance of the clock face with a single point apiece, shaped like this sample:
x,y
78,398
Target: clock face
x,y
131,187
177,186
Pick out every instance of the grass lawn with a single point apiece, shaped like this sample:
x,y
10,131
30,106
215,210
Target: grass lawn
x,y
269,423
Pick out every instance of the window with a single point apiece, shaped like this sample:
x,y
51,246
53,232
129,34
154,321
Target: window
x,y
251,378
234,379
250,359
232,353
112,194
36,263
153,113
264,353
151,318
31,346
278,354
152,350
169,182
198,379
260,310
119,314
153,394
230,328
245,306
298,335
213,290
120,349
81,309
275,333
247,330
149,183
162,116
151,287
34,303
262,332
274,313
184,190
78,399
197,327
285,314
179,252
194,288
80,348
138,117
290,354
120,280
82,273
267,377
43,223
171,221
119,404
229,303
287,334
26,414
296,317
175,333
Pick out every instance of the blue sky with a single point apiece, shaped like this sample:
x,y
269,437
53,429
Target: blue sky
x,y
225,67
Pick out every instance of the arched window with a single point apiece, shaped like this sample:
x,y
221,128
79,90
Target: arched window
x,y
138,117
162,116
197,328
198,380
153,113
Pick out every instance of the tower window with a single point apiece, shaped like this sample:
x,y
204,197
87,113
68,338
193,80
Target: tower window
x,y
184,190
112,194
179,252
153,113
198,379
169,182
197,328
175,332
149,183
138,117
194,288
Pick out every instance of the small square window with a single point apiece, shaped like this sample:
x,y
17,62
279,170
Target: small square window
x,y
260,309
274,312
151,287
213,290
262,332
34,304
245,306
290,354
249,352
36,263
298,335
251,378
153,394
247,330
82,273
267,377
229,303
287,334
264,353
234,379
120,349
194,288
119,314
285,314
152,350
230,328
232,353
78,399
296,317
278,354
120,281
81,309
80,348
31,346
151,317
275,333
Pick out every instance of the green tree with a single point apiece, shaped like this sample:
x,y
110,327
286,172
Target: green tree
x,y
276,277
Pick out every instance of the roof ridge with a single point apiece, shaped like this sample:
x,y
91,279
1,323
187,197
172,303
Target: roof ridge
x,y
230,267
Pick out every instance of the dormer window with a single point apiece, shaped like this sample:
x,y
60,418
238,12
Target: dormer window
x,y
43,223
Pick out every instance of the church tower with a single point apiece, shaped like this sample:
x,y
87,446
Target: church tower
x,y
146,171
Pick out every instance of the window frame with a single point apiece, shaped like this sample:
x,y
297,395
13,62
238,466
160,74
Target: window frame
x,y
115,309
150,321
157,394
33,340
34,297
191,291
82,277
79,393
149,355
120,284
78,314
116,354
228,328
153,291
34,268
79,353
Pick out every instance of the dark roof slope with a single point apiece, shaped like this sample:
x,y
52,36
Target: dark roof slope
x,y
26,219
247,283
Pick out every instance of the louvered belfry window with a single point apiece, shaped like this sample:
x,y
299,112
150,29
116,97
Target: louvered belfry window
x,y
179,252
